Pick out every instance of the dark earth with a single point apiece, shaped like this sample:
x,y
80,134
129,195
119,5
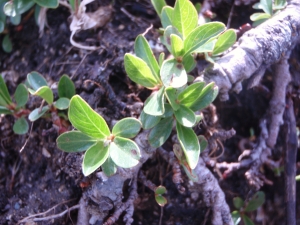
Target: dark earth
x,y
42,177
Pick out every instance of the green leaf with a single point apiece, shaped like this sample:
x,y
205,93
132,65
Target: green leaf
x,y
188,96
149,121
37,113
47,3
6,44
124,152
109,167
161,200
265,5
45,93
5,99
202,140
75,141
189,143
238,202
185,116
86,120
154,104
15,20
139,72
161,58
176,45
279,4
9,9
206,97
236,217
21,95
168,111
94,157
160,190
127,128
142,50
36,80
158,5
166,40
207,47
185,17
4,110
259,16
166,16
171,94
17,7
2,23
247,220
256,201
74,4
21,126
173,73
201,35
62,103
225,41
189,62
161,132
66,87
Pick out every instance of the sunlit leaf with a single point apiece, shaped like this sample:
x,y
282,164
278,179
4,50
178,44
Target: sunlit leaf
x,y
127,128
279,4
21,126
172,97
160,190
188,96
265,5
166,40
45,93
259,16
154,104
36,80
38,113
66,87
158,5
62,103
149,121
185,116
21,95
109,167
189,62
176,45
173,73
5,99
161,132
166,16
225,41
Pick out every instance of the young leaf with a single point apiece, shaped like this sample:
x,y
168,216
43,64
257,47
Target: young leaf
x,y
247,220
166,16
86,120
21,126
124,152
256,201
161,132
6,43
36,80
160,190
185,116
158,5
236,217
170,92
154,104
5,99
185,17
161,58
225,41
142,50
189,62
207,96
238,202
45,93
21,95
176,45
66,87
259,16
173,73
189,143
127,128
37,113
149,121
265,5
109,167
94,157
279,4
161,200
47,4
190,94
139,72
166,40
201,35
62,103
75,141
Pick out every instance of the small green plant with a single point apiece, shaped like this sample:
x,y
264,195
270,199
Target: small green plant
x,y
244,207
159,198
269,7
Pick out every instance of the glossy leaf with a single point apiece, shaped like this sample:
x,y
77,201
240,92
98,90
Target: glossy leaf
x,y
185,116
6,44
256,201
166,16
265,5
161,132
9,9
173,73
190,94
149,121
75,141
4,94
185,17
161,200
62,103
189,143
176,45
36,80
21,95
236,217
94,157
158,5
225,41
17,7
66,87
45,93
201,35
127,128
189,62
139,72
154,104
259,16
170,92
238,202
207,96
37,113
109,167
246,220
124,152
86,120
47,3
21,126
142,50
